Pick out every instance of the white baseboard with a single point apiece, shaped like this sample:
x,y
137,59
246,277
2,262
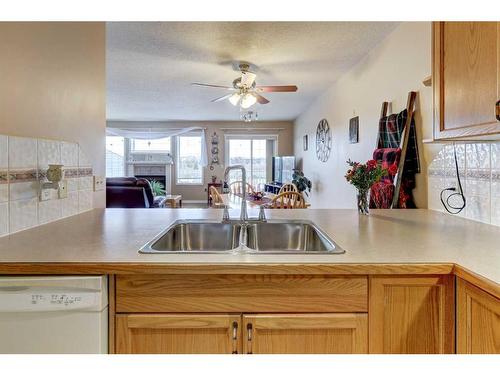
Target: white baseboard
x,y
194,201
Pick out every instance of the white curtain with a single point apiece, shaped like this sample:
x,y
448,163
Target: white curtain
x,y
157,133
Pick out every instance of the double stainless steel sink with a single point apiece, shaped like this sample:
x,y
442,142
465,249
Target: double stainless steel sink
x,y
254,237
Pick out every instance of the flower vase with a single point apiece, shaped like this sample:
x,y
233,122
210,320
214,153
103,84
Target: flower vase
x,y
363,201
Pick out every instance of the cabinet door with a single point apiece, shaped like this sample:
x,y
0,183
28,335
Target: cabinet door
x,y
305,333
478,320
177,334
411,315
466,75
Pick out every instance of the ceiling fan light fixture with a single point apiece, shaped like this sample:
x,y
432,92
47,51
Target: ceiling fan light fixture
x,y
248,100
234,99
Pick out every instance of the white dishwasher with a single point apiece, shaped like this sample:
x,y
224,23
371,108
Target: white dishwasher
x,y
63,314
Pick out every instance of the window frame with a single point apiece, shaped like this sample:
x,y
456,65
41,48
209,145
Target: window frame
x,y
132,151
177,160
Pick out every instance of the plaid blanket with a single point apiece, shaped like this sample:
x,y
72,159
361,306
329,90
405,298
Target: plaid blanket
x,y
390,131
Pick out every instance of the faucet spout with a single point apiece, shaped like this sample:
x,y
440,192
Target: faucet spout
x,y
243,210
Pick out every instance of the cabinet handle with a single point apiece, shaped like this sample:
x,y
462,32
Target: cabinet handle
x,y
235,338
497,110
249,338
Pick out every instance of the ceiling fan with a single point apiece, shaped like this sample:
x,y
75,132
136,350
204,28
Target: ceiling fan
x,y
245,91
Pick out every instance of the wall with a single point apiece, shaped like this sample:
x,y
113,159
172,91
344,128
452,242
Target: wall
x,y
393,68
198,193
54,86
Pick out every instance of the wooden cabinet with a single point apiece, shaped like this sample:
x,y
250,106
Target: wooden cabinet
x,y
178,334
411,314
466,78
305,333
478,320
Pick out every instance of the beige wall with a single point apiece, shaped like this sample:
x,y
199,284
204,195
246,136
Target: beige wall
x,y
285,144
54,86
392,69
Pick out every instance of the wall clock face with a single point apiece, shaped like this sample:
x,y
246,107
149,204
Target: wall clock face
x,y
323,141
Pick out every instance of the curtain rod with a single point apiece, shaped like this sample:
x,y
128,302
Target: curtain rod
x,y
251,129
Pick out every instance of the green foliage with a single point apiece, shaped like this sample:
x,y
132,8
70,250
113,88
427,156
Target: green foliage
x,y
157,187
302,182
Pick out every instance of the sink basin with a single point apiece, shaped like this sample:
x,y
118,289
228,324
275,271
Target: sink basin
x,y
272,237
290,237
195,237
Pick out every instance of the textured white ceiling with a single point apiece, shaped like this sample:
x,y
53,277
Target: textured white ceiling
x,y
150,65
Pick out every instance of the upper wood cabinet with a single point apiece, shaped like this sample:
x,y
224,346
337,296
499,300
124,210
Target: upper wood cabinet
x,y
178,334
478,320
412,315
466,75
305,333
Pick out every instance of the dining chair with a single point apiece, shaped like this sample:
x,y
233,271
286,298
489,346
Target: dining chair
x,y
236,188
288,187
288,199
216,198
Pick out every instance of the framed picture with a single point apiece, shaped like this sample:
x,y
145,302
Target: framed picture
x,y
306,142
354,130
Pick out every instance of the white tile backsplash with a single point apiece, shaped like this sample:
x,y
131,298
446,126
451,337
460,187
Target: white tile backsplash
x,y
69,154
26,160
4,218
49,211
4,152
22,153
23,214
479,166
49,152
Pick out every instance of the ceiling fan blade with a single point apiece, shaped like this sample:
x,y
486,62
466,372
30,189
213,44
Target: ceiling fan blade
x,y
221,98
216,86
247,78
260,98
276,88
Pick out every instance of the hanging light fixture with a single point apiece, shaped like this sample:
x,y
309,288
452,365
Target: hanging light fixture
x,y
235,98
248,100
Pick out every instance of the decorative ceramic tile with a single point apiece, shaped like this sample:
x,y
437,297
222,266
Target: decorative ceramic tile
x,y
23,190
4,219
495,155
85,183
4,193
449,156
69,154
49,211
478,208
495,183
69,206
85,171
495,211
478,182
72,184
22,153
83,161
4,152
23,214
49,152
22,175
478,155
85,200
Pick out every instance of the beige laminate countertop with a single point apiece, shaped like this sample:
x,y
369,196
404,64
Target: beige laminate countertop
x,y
106,237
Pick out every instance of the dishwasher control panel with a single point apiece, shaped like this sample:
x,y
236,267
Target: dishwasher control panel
x,y
49,301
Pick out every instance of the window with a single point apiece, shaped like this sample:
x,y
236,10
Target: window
x,y
115,151
161,145
253,154
189,169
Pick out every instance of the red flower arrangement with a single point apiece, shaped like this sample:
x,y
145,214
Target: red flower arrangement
x,y
363,176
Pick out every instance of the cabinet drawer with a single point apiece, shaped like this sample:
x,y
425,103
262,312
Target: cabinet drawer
x,y
241,293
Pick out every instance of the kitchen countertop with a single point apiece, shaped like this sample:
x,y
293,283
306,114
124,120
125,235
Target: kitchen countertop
x,y
111,238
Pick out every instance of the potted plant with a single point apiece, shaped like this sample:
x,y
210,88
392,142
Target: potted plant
x,y
363,177
157,188
302,183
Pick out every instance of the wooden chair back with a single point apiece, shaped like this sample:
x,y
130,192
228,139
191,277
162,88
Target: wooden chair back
x,y
236,188
288,187
216,197
288,199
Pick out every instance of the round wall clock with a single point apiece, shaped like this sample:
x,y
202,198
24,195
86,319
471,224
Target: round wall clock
x,y
323,140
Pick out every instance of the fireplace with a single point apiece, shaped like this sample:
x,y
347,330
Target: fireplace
x,y
157,171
